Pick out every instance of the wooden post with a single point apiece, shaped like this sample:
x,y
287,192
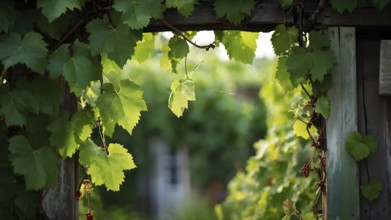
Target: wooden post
x,y
342,172
59,202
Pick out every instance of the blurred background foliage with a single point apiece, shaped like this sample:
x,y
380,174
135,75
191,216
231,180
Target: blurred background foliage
x,y
219,130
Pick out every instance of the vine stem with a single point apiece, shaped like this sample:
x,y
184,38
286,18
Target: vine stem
x,y
312,138
306,91
102,137
61,41
178,32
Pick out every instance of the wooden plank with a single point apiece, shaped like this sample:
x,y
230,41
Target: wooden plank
x,y
374,113
264,18
367,16
59,202
385,68
267,15
342,175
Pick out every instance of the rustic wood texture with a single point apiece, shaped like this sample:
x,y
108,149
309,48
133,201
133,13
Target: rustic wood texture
x,y
342,174
374,113
59,202
385,68
267,15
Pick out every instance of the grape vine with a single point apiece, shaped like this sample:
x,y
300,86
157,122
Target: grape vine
x,y
60,82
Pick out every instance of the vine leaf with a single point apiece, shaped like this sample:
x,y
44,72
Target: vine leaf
x,y
300,129
240,45
372,190
16,104
106,169
29,49
178,50
298,64
37,165
117,41
342,5
52,9
144,48
137,13
309,216
8,16
122,106
318,41
283,39
68,135
184,7
323,62
48,102
282,74
322,106
78,68
233,10
381,3
181,93
360,147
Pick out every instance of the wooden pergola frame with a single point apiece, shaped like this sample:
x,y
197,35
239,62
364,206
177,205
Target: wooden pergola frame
x,y
342,199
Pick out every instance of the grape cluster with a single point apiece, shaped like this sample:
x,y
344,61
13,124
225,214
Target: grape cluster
x,y
89,216
306,169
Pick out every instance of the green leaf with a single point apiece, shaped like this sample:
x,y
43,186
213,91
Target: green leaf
x,y
283,39
137,13
121,106
282,74
78,69
30,50
309,216
298,64
16,104
356,147
184,7
342,5
68,135
48,102
117,41
370,142
144,48
372,190
52,9
178,50
320,88
55,29
318,41
181,93
106,169
381,3
240,45
323,62
322,106
233,10
8,15
300,129
38,166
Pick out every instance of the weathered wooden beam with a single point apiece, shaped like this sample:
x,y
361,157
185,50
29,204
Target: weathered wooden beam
x,y
367,16
264,18
342,170
267,15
